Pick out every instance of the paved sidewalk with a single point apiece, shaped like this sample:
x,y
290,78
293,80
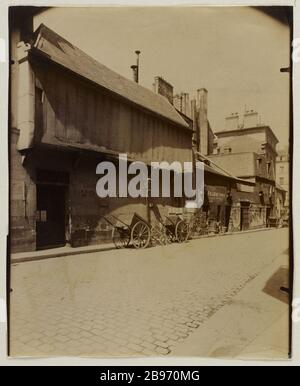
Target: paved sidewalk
x,y
253,325
21,257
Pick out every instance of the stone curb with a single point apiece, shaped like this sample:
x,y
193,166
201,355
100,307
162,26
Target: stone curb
x,y
33,256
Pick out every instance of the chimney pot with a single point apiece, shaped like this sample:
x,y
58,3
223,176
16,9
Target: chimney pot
x,y
134,68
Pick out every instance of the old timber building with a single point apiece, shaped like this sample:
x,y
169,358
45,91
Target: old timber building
x,y
71,112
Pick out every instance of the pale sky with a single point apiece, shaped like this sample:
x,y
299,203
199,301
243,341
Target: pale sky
x,y
234,52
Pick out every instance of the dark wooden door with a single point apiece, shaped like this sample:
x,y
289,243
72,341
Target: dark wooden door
x,y
268,215
227,216
245,218
51,216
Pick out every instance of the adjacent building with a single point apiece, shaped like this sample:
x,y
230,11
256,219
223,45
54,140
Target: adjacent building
x,y
223,189
283,175
248,151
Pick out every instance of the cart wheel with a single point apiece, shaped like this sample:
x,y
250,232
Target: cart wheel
x,y
170,237
140,235
182,231
121,237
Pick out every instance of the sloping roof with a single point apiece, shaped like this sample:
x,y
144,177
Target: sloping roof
x,y
213,170
237,164
57,49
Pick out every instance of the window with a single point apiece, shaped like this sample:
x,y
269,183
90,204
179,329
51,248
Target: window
x,y
281,169
259,162
227,150
268,167
281,181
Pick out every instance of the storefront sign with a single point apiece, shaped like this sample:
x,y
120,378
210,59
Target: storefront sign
x,y
216,194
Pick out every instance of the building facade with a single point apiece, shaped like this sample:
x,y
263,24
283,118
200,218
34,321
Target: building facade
x,y
283,175
248,151
69,113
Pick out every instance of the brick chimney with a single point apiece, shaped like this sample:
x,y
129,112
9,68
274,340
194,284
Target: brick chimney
x,y
250,119
196,140
182,103
232,122
186,104
202,121
163,88
177,102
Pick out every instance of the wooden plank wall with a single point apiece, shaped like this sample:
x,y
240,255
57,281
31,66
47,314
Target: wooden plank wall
x,y
76,113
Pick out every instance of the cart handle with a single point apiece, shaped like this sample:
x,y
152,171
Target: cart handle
x,y
171,221
117,219
107,220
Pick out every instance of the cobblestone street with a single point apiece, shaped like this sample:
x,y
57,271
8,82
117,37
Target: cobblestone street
x,y
128,302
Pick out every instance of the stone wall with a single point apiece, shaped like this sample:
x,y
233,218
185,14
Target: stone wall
x,y
257,216
22,201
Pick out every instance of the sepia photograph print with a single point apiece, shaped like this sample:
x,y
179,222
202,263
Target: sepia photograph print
x,y
150,158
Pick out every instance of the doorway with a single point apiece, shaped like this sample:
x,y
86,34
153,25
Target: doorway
x,y
51,216
245,216
268,215
227,216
